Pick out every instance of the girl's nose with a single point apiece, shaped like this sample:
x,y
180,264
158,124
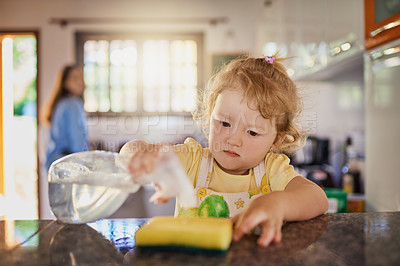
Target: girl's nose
x,y
235,139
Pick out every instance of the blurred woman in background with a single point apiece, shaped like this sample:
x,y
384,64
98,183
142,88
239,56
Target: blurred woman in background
x,y
65,114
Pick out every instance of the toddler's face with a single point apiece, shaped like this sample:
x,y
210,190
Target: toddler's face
x,y
239,136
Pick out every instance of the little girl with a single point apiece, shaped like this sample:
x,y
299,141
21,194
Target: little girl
x,y
249,109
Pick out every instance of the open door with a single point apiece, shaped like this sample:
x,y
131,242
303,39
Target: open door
x,y
18,126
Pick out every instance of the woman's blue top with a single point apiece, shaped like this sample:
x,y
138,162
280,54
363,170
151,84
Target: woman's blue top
x,y
68,131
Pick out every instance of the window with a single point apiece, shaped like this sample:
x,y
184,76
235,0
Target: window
x,y
141,73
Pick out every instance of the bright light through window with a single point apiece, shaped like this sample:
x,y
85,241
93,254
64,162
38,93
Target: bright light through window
x,y
140,74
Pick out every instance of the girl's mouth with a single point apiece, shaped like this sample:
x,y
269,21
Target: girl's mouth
x,y
231,153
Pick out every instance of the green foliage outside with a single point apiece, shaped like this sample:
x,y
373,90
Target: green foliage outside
x,y
24,52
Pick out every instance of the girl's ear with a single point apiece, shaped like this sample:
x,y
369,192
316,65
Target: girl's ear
x,y
279,139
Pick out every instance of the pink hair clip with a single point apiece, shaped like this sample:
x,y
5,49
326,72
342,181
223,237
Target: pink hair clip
x,y
269,59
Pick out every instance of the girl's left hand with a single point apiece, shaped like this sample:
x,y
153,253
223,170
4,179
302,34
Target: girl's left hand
x,y
266,212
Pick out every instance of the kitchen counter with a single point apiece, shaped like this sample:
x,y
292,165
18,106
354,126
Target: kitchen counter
x,y
330,239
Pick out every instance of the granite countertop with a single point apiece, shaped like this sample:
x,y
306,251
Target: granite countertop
x,y
330,239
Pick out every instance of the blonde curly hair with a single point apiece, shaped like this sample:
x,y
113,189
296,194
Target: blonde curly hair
x,y
267,83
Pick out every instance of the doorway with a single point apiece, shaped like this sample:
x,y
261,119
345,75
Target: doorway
x,y
18,126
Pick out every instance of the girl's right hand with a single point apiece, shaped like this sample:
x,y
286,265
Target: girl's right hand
x,y
142,156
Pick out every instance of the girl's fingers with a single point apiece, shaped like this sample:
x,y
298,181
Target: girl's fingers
x,y
142,162
160,200
149,165
134,164
237,232
235,218
250,218
266,237
271,232
248,221
278,236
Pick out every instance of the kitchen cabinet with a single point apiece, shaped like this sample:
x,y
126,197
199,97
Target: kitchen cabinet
x,y
382,22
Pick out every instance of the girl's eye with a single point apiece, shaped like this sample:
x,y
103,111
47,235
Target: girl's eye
x,y
225,124
252,133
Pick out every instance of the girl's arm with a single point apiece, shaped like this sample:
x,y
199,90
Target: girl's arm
x,y
301,200
304,200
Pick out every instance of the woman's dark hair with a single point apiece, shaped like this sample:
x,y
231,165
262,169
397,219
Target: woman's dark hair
x,y
59,92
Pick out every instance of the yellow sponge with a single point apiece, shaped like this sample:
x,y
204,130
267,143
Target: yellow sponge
x,y
186,232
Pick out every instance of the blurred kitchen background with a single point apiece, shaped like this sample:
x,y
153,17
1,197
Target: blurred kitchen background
x,y
145,61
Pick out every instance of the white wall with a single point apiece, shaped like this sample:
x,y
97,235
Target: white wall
x,y
335,110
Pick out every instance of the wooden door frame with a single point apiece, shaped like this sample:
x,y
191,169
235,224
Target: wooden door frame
x,y
1,123
15,32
